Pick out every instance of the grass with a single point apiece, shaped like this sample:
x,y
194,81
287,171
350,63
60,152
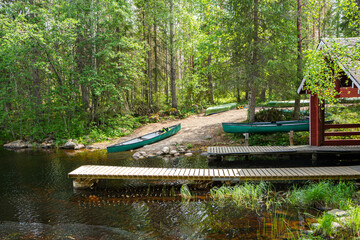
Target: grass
x,y
185,192
248,195
326,222
263,198
341,114
323,193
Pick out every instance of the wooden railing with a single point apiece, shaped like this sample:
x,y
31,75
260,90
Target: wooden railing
x,y
336,142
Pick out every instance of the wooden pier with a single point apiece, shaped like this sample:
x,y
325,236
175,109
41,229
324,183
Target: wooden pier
x,y
262,150
88,173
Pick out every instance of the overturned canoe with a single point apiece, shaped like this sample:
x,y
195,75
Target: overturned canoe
x,y
305,102
267,127
220,108
145,139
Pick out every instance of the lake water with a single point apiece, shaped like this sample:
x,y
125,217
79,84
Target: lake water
x,y
37,201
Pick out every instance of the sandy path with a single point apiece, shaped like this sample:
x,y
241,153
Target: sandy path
x,y
196,129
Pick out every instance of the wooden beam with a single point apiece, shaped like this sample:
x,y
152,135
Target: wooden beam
x,y
329,126
341,142
347,92
314,121
327,134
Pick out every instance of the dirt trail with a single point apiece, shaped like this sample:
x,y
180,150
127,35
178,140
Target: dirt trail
x,y
196,129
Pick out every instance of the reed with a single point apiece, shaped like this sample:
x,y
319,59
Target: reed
x,y
354,220
221,192
249,194
185,192
326,222
325,193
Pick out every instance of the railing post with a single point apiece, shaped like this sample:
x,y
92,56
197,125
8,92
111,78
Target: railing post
x,y
246,135
291,136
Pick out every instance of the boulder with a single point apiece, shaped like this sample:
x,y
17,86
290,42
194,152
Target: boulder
x,y
181,150
48,143
70,144
166,150
136,155
177,154
159,153
204,154
173,152
208,137
143,153
79,146
17,144
337,213
189,154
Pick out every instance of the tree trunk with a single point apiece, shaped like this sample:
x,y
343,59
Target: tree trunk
x,y
149,68
166,75
95,98
253,86
299,60
155,59
210,81
172,57
238,99
263,95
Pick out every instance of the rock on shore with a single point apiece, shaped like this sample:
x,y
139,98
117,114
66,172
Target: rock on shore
x,y
72,144
165,152
18,144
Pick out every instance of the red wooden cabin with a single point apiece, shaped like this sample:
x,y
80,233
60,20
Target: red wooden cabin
x,y
348,85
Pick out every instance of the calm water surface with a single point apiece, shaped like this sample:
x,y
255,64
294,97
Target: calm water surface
x,y
37,201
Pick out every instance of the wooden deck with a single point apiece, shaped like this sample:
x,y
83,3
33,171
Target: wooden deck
x,y
114,172
261,150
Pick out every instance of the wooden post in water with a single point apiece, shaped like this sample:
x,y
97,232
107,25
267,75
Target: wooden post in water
x,y
291,135
84,183
246,135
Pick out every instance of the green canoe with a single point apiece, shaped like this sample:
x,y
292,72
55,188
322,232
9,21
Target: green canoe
x,y
286,103
145,139
267,127
220,108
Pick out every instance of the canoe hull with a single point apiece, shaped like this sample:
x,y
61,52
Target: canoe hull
x,y
220,108
125,147
266,127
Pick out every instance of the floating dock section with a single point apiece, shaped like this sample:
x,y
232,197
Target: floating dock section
x,y
263,150
86,175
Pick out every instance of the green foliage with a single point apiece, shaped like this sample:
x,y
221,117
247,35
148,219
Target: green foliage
x,y
75,70
248,195
323,193
185,192
326,222
272,115
354,220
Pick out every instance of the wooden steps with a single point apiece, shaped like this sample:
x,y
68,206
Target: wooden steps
x,y
301,173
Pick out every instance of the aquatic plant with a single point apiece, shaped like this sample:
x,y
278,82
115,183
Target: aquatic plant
x,y
220,193
249,194
185,192
354,220
325,193
326,224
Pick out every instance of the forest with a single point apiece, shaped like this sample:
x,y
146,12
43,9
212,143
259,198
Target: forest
x,y
70,69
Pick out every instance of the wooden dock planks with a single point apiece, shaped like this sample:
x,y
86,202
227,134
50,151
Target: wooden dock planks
x,y
259,150
245,174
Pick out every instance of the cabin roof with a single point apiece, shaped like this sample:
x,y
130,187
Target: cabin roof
x,y
350,67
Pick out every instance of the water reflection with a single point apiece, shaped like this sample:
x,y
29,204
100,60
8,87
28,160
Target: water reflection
x,y
38,202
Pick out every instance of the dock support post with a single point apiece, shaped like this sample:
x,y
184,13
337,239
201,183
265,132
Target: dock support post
x,y
84,183
246,135
291,135
314,158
